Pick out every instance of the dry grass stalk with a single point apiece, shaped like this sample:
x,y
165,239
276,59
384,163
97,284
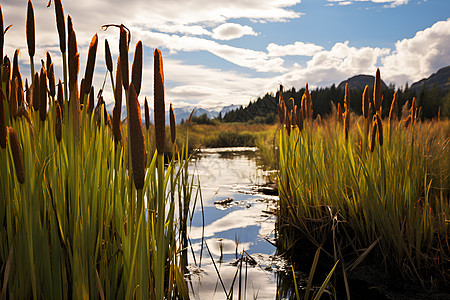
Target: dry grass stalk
x,y
90,64
108,57
43,94
159,107
408,121
60,24
347,111
137,141
123,52
136,69
377,91
60,98
147,114
439,114
31,38
173,126
17,155
3,130
58,123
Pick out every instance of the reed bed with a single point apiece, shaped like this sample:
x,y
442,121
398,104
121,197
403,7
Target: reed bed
x,y
87,208
370,192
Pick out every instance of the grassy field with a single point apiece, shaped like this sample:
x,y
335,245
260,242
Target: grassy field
x,y
369,191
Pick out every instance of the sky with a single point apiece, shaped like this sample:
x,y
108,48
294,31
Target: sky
x,y
223,52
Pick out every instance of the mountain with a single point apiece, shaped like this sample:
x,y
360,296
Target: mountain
x,y
441,79
360,82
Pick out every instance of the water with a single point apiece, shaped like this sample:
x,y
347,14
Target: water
x,y
242,223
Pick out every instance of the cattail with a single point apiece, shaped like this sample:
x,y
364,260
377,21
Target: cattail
x,y
377,119
372,135
20,97
17,155
393,112
288,122
6,69
281,106
36,92
346,123
413,110
339,113
294,116
377,91
3,130
137,143
2,34
299,120
117,110
408,121
69,26
280,94
29,91
308,101
91,100
365,102
74,97
117,130
51,81
90,64
158,105
439,114
72,60
15,69
13,105
43,94
123,52
30,29
60,24
136,69
108,57
173,128
82,90
61,98
58,123
346,97
147,114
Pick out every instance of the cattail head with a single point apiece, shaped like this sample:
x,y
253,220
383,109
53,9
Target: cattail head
x,y
136,69
108,57
173,128
60,98
3,130
51,81
43,94
159,107
60,24
30,29
123,52
346,123
377,119
116,128
118,83
72,58
58,123
280,94
74,98
377,91
6,69
281,111
137,143
82,89
413,110
365,102
15,69
394,109
36,92
373,135
89,72
147,114
91,100
17,155
346,97
2,34
288,122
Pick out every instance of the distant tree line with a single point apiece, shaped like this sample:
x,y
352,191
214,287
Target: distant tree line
x,y
264,110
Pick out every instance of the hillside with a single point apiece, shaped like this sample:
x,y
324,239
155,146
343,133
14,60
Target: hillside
x,y
440,79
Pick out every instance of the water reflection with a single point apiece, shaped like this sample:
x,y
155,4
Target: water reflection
x,y
242,223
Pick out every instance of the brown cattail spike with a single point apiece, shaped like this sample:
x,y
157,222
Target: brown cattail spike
x,y
15,69
36,92
51,81
173,126
117,130
73,62
377,91
43,95
61,98
346,123
137,143
108,57
58,123
17,155
393,112
136,69
159,107
60,24
377,119
74,97
372,135
413,110
89,72
288,122
30,29
147,114
365,102
123,52
3,130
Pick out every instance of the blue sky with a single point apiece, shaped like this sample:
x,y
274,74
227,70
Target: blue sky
x,y
223,52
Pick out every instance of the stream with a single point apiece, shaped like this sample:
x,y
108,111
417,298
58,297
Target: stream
x,y
238,226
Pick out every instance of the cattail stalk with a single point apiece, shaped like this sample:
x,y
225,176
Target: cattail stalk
x,y
117,110
109,62
377,92
61,26
31,37
60,98
58,122
136,69
13,105
123,52
17,155
3,129
159,106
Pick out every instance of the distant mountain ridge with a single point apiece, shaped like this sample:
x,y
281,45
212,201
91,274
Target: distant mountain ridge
x,y
360,82
441,79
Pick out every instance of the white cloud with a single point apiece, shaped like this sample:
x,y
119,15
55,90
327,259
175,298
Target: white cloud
x,y
388,3
420,56
298,48
229,31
